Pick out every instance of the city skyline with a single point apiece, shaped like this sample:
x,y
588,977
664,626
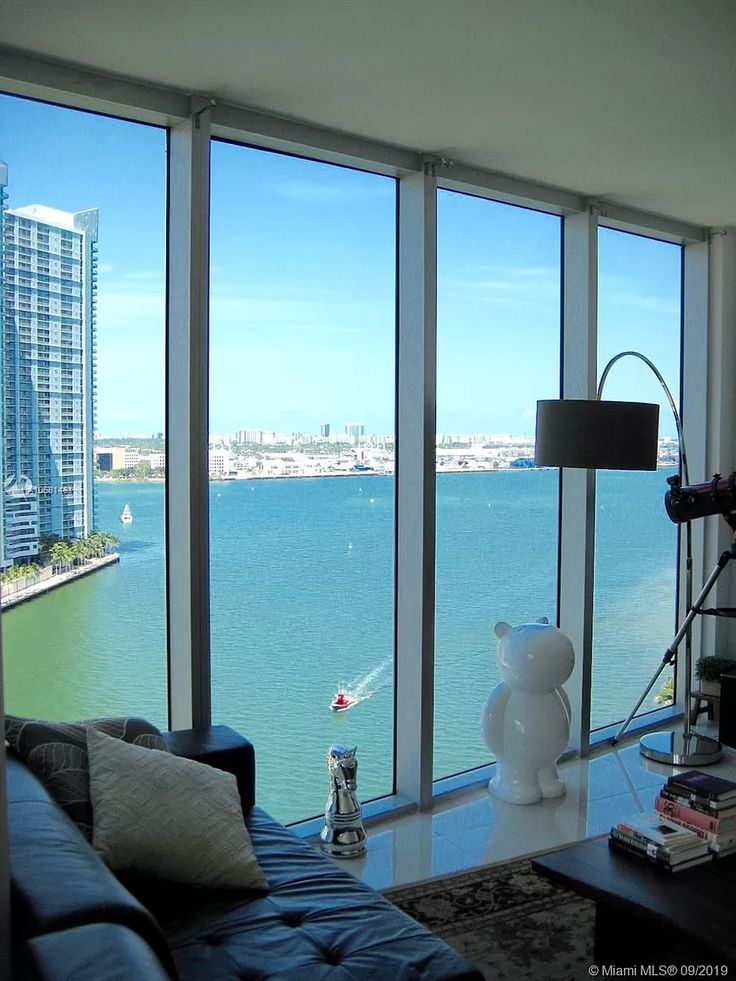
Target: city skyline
x,y
303,264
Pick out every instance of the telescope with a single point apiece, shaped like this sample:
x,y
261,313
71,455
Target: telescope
x,y
716,496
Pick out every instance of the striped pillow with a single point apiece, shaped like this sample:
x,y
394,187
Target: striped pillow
x,y
57,753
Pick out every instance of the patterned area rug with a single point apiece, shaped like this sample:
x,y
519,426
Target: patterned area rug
x,y
509,921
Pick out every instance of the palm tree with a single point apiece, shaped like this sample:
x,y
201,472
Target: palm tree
x,y
67,555
667,693
59,554
110,540
94,544
13,576
101,542
86,550
46,542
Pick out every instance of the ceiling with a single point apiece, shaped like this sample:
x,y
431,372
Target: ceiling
x,y
630,100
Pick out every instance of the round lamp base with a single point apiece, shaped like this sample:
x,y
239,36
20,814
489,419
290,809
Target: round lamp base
x,y
676,749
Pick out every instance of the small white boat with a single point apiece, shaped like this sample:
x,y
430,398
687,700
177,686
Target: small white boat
x,y
127,515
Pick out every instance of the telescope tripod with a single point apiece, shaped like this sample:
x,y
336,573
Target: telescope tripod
x,y
685,748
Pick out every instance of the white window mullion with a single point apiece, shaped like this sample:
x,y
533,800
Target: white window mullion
x,y
719,634
694,411
187,437
577,505
415,475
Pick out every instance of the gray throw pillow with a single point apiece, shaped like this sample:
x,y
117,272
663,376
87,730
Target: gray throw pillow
x,y
168,817
57,754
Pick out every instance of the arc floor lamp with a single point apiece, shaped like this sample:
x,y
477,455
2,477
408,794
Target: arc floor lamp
x,y
607,435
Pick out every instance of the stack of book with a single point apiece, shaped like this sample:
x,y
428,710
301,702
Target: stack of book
x,y
657,839
702,804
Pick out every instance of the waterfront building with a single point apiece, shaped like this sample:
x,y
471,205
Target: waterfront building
x,y
249,436
157,461
354,430
104,460
220,464
117,457
49,266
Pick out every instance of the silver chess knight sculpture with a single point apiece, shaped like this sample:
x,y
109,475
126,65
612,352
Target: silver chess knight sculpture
x,y
343,834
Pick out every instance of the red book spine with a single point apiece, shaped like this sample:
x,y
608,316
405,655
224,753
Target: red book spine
x,y
680,813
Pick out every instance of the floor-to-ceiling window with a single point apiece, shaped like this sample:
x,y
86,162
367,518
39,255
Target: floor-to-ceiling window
x,y
301,453
83,456
498,352
636,544
301,465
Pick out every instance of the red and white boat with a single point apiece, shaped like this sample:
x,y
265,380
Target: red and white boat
x,y
342,701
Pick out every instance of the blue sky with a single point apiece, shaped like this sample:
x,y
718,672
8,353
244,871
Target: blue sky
x,y
303,286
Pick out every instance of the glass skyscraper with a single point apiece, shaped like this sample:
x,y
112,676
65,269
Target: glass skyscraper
x,y
48,266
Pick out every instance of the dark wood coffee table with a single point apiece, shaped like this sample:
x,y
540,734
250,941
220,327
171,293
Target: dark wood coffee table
x,y
645,915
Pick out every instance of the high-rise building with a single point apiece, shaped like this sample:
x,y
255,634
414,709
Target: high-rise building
x,y
249,436
48,270
354,430
324,430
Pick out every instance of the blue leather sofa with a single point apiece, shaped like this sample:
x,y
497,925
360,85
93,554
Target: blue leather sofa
x,y
74,919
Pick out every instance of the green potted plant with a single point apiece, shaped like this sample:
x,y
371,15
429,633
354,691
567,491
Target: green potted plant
x,y
708,671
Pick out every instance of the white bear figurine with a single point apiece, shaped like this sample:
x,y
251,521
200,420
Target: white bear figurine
x,y
526,720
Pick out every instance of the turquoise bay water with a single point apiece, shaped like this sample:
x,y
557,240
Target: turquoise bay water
x,y
302,601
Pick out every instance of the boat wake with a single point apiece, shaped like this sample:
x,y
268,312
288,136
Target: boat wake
x,y
375,680
363,687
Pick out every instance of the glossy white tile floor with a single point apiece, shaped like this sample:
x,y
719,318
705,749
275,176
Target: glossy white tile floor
x,y
471,828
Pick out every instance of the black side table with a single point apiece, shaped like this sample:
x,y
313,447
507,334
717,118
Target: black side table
x,y
645,915
727,724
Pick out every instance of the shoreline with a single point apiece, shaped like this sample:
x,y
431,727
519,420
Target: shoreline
x,y
313,476
42,586
340,474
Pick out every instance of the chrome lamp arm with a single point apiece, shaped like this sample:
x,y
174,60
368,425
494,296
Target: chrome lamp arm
x,y
684,475
682,454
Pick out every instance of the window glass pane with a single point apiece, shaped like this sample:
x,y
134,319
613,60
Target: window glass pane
x,y
83,271
636,543
498,351
301,467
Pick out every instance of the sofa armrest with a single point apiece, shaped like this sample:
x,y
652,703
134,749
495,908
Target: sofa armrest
x,y
96,952
223,748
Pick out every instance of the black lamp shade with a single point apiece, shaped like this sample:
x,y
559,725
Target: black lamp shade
x,y
596,434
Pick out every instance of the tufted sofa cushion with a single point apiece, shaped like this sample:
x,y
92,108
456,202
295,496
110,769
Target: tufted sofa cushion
x,y
316,922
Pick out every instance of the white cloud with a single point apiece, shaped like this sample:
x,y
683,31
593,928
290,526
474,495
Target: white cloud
x,y
511,286
617,290
315,311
